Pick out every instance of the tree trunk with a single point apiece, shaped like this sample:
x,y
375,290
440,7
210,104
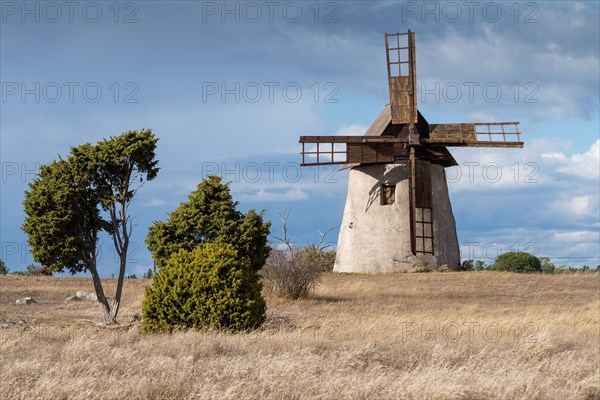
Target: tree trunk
x,y
106,309
106,312
122,263
117,301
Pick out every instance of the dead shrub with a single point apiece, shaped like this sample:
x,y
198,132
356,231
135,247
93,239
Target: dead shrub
x,y
291,272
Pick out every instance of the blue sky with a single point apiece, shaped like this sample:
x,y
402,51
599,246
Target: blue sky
x,y
229,87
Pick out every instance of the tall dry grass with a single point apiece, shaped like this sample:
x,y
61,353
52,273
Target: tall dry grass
x,y
475,335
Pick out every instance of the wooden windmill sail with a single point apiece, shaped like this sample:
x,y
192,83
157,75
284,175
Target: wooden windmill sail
x,y
401,135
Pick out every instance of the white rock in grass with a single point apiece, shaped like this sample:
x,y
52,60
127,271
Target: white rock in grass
x,y
26,300
82,294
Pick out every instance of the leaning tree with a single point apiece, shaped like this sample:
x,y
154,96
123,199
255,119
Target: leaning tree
x,y
72,200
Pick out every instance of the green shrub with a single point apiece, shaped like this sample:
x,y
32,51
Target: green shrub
x,y
210,215
565,269
480,265
148,274
419,266
547,266
3,268
208,287
443,268
324,259
466,265
517,261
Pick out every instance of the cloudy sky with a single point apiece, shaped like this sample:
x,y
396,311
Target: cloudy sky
x,y
229,87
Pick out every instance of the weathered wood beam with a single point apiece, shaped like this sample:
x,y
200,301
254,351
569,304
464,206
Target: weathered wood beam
x,y
495,123
475,143
351,139
309,164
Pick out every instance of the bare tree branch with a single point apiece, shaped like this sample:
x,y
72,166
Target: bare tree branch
x,y
285,240
319,244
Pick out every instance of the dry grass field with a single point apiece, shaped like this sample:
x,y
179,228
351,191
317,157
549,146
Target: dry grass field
x,y
476,335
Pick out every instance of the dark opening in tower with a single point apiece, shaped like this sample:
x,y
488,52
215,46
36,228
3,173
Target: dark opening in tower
x,y
388,194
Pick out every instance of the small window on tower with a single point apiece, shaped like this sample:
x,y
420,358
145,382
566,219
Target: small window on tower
x,y
388,194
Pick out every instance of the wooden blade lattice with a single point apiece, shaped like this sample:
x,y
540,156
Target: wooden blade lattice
x,y
401,65
484,134
332,150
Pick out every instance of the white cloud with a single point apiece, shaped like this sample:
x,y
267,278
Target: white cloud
x,y
584,165
576,236
555,157
478,116
577,206
154,202
264,195
541,163
351,130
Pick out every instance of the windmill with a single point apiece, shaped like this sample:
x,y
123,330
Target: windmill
x,y
397,209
